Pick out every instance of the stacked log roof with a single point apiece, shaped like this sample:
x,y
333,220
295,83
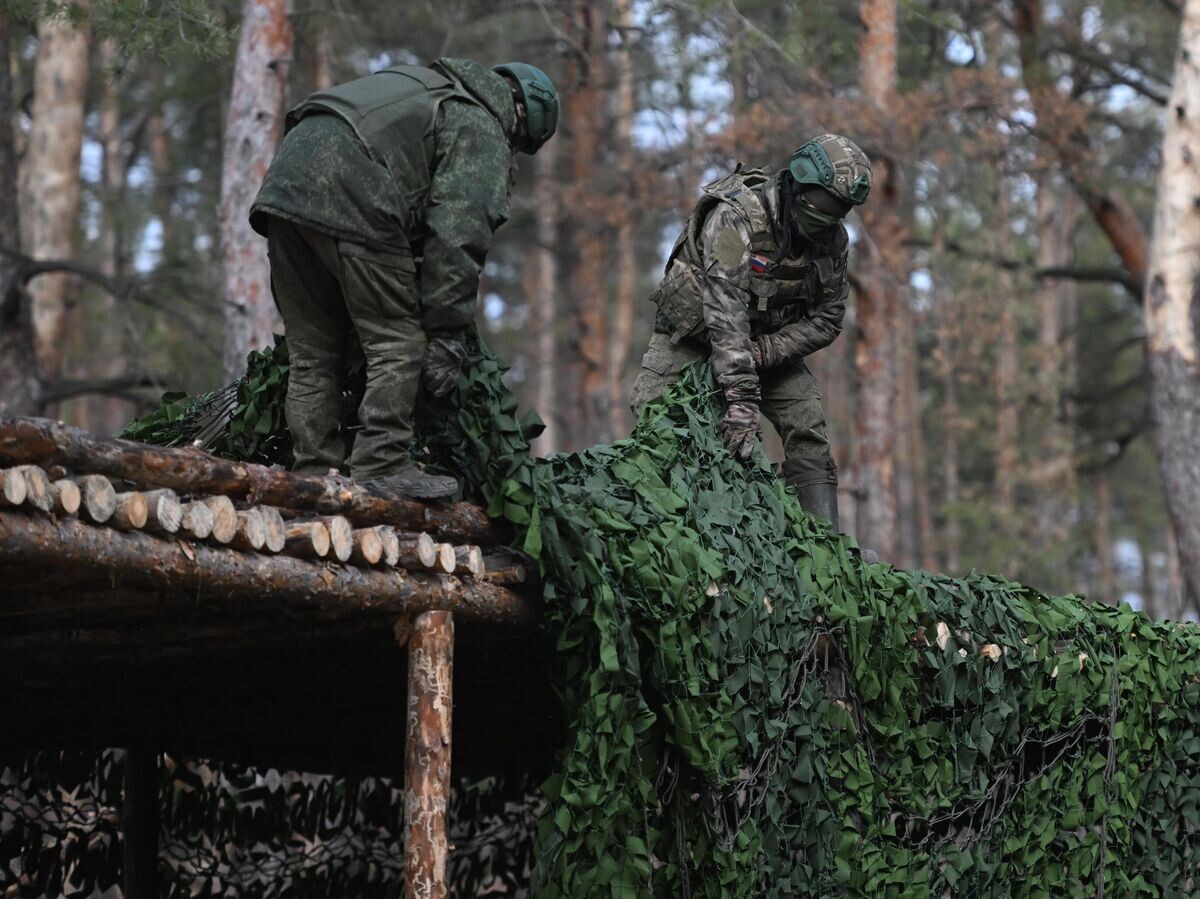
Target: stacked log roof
x,y
155,574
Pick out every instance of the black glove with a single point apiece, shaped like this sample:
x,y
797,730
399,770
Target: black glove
x,y
740,427
442,364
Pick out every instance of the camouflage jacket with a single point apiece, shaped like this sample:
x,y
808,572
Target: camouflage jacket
x,y
728,268
442,201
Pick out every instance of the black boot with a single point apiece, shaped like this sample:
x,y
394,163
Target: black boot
x,y
820,500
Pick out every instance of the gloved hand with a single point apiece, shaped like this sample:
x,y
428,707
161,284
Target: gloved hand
x,y
442,364
740,427
757,352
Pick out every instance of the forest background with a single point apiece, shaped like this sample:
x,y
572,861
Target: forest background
x,y
995,397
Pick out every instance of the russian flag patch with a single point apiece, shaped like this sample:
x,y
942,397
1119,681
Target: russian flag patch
x,y
758,263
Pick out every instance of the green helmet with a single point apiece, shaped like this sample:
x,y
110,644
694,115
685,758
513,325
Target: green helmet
x,y
540,100
835,163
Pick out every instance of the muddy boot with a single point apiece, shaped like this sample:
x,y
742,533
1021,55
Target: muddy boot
x,y
820,500
414,481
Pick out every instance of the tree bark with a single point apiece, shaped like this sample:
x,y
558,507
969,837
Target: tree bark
x,y
541,285
38,441
1106,585
627,279
1172,304
427,755
882,276
252,131
1007,367
20,387
50,214
587,123
946,325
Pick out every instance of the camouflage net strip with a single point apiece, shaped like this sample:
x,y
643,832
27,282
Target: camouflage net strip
x,y
756,712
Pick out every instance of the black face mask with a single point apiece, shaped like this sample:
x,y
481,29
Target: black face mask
x,y
815,212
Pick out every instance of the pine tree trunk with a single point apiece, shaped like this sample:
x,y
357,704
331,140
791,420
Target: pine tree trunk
x,y
252,131
541,286
50,212
947,346
1106,586
1172,303
1054,475
627,280
587,121
880,281
20,387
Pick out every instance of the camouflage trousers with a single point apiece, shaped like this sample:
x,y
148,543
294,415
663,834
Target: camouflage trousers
x,y
791,401
326,289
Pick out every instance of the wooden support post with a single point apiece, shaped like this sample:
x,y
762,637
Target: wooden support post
x,y
427,763
140,815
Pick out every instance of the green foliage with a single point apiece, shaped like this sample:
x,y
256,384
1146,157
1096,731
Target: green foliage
x,y
141,26
754,711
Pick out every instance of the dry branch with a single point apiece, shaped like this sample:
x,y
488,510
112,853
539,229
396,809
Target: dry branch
x,y
43,442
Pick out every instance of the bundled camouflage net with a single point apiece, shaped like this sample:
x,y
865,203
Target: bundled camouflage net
x,y
754,711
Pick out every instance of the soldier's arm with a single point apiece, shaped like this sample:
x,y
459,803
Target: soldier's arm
x,y
817,330
468,201
725,294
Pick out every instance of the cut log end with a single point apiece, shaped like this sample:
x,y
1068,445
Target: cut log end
x,y
276,535
225,520
391,545
468,560
447,561
368,547
12,488
306,539
37,487
197,520
165,511
131,512
341,537
251,530
67,497
99,498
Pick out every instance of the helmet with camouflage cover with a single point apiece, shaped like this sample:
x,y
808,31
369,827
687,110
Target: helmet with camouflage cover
x,y
835,163
539,98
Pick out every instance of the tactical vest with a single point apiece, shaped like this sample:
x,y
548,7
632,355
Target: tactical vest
x,y
393,112
796,281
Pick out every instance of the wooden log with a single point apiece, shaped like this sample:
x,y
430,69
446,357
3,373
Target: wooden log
x,y
66,497
391,545
427,755
138,560
367,547
417,552
251,530
341,537
306,539
12,488
447,561
165,511
505,569
275,528
39,441
225,520
197,520
99,498
131,512
468,560
37,487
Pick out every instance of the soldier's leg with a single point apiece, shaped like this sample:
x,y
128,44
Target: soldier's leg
x,y
792,403
304,268
381,295
661,365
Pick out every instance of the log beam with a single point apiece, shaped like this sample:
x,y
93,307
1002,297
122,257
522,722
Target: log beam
x,y
39,441
427,757
135,558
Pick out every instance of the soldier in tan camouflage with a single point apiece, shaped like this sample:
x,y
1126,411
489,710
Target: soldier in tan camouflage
x,y
756,282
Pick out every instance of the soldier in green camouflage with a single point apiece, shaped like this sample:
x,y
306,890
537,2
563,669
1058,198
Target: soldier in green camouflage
x,y
756,282
378,210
